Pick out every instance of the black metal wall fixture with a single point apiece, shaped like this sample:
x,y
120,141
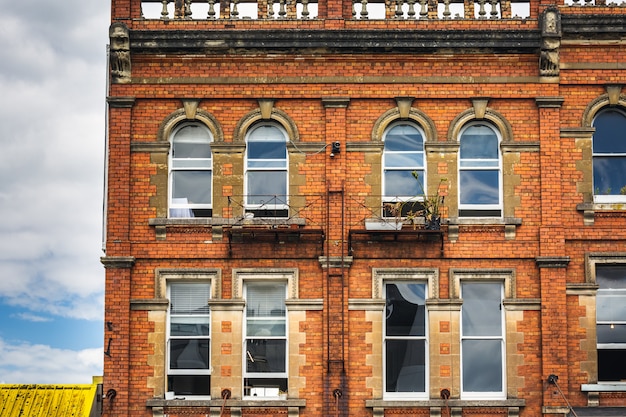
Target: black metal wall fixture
x,y
553,380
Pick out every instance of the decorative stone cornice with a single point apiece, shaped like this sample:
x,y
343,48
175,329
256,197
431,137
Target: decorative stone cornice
x,y
549,102
227,304
335,102
552,261
582,289
111,262
335,261
226,147
150,147
520,147
581,132
332,41
121,102
303,304
522,304
152,304
364,146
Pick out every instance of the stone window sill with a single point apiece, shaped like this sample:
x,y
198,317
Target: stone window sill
x,y
589,210
455,406
509,224
604,387
161,224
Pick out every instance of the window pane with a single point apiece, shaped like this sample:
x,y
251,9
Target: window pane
x,y
189,354
402,183
265,327
264,387
189,384
611,333
404,138
611,276
479,187
186,298
611,297
189,326
264,355
267,163
611,364
262,185
481,311
191,163
405,309
610,126
267,150
265,300
611,306
266,133
405,366
404,160
479,142
609,175
479,163
482,365
195,186
191,141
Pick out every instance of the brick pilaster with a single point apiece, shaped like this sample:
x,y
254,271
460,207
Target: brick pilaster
x,y
116,382
118,181
336,306
551,262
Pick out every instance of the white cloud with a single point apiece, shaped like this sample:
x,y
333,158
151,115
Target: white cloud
x,y
31,317
39,364
52,75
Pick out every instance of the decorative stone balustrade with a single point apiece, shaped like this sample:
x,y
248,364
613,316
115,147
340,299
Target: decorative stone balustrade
x,y
361,9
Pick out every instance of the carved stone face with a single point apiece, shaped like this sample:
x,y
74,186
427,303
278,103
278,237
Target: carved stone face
x,y
551,22
119,38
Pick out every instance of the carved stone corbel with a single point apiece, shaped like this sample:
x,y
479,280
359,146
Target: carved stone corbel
x,y
119,53
550,43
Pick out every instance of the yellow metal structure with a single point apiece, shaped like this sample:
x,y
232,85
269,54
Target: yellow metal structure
x,y
47,400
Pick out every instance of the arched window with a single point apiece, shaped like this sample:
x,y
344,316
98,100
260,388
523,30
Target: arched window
x,y
191,171
266,171
403,154
609,156
480,173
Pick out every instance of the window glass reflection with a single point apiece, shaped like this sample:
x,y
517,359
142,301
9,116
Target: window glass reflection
x,y
405,366
479,187
482,365
481,311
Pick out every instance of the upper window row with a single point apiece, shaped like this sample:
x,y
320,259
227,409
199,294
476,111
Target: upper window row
x,y
191,170
479,167
480,184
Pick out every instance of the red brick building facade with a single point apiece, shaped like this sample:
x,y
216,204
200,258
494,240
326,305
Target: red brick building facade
x,y
269,164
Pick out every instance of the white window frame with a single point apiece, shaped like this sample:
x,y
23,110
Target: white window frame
x,y
169,338
485,395
420,169
427,276
287,276
264,392
482,207
607,198
609,293
181,209
412,395
278,202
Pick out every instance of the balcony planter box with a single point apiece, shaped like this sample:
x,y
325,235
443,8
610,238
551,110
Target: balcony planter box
x,y
382,225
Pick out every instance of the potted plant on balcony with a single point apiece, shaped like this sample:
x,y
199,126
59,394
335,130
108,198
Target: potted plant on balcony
x,y
425,206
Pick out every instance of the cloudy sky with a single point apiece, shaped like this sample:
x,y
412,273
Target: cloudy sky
x,y
52,118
